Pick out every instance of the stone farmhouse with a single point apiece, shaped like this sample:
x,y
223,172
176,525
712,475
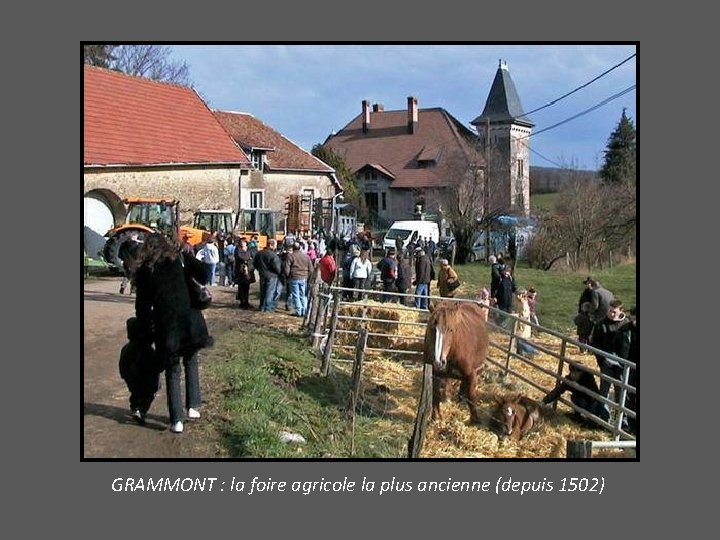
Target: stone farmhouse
x,y
279,166
399,157
145,138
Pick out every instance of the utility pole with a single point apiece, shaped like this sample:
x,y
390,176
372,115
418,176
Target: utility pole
x,y
486,188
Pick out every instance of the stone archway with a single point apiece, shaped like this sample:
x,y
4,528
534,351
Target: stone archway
x,y
102,210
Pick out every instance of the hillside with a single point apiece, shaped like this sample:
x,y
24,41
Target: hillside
x,y
553,179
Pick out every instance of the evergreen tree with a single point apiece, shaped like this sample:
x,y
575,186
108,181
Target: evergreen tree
x,y
621,154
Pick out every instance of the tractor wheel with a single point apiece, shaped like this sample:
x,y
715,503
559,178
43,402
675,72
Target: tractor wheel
x,y
112,247
471,257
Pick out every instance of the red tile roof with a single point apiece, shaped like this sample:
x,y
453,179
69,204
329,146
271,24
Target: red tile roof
x,y
135,121
388,145
249,132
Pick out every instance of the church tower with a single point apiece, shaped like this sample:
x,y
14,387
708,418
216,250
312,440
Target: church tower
x,y
505,134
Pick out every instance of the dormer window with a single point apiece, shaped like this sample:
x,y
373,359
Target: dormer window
x,y
428,157
257,157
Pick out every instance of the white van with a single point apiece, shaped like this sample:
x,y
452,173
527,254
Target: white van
x,y
410,231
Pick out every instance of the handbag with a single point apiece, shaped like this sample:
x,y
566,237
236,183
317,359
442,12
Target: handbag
x,y
200,297
452,285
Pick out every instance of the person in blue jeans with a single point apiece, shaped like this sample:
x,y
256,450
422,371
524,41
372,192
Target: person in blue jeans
x,y
297,269
267,263
162,308
424,274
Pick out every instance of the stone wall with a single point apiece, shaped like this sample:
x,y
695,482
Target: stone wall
x,y
195,188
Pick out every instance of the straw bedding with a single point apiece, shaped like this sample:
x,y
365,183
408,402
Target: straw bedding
x,y
391,389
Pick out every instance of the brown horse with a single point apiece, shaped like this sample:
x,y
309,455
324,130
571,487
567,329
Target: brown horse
x,y
517,415
456,344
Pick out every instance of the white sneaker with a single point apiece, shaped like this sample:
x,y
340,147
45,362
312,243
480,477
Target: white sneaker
x,y
193,414
177,427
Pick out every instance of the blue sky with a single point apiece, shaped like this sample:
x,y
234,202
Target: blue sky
x,y
308,91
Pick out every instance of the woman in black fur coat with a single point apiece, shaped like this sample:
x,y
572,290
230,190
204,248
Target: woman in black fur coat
x,y
162,306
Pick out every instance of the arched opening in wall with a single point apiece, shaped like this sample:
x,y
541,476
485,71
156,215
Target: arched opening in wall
x,y
102,210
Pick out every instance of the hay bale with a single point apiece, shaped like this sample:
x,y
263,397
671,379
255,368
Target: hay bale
x,y
390,323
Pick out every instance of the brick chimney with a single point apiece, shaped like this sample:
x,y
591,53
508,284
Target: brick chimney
x,y
366,115
378,107
412,114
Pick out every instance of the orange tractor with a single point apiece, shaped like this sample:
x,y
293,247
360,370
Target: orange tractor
x,y
147,215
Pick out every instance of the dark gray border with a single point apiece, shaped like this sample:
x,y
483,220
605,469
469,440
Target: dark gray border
x,y
89,495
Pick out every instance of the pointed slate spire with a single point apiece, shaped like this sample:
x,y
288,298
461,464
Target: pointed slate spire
x,y
503,104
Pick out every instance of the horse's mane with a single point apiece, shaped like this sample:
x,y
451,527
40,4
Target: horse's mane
x,y
454,316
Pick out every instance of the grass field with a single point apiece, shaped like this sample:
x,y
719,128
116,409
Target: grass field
x,y
270,383
558,292
543,201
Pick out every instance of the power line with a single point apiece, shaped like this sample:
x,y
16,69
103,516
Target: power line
x,y
586,111
558,165
554,101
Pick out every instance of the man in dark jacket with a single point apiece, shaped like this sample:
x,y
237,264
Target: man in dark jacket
x,y
404,277
424,274
267,263
297,269
579,398
505,290
244,273
612,335
495,275
388,273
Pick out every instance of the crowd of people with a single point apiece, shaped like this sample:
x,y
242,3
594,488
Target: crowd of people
x,y
169,332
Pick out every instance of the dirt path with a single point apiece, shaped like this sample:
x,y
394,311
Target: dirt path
x,y
109,431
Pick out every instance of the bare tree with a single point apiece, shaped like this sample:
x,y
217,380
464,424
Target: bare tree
x,y
594,223
150,61
468,201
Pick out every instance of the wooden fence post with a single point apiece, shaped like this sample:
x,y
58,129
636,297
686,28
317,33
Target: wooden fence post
x,y
561,364
423,414
511,343
319,320
313,301
357,371
325,366
579,449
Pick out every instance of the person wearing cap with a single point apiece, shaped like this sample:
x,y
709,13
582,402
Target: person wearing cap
x,y
388,273
586,295
447,279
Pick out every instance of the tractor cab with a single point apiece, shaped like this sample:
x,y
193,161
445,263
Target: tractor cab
x,y
215,221
161,216
257,221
